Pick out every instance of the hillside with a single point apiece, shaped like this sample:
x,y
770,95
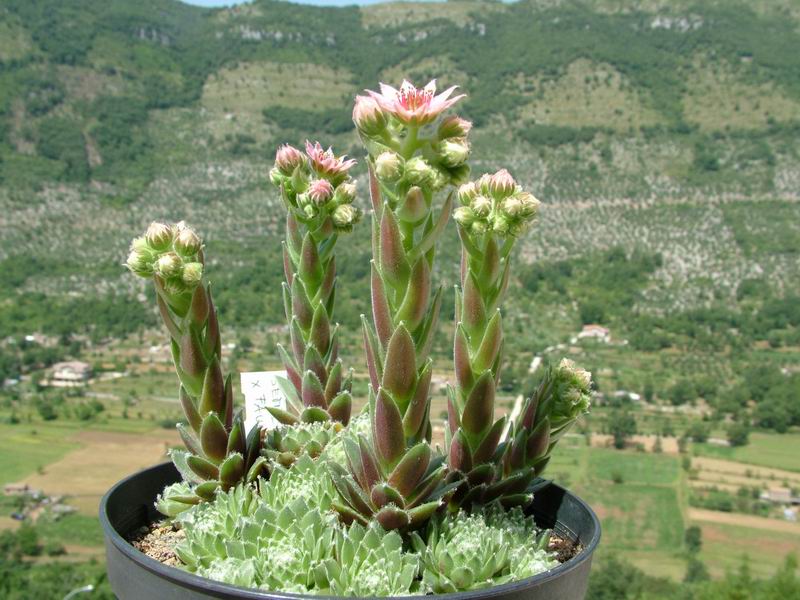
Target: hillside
x,y
661,136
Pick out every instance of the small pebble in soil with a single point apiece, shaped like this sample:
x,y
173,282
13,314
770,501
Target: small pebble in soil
x,y
158,541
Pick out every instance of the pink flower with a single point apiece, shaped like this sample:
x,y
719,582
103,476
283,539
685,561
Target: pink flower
x,y
326,165
320,191
287,159
415,106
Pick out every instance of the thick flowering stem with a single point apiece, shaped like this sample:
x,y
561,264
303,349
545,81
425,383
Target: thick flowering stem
x,y
318,195
219,453
561,398
394,476
473,436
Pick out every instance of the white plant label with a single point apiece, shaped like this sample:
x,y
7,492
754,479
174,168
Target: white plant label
x,y
261,390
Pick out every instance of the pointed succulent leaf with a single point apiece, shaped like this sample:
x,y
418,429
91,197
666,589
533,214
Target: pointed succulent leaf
x,y
314,414
488,445
390,518
461,359
473,313
340,407
393,264
430,238
202,467
381,313
399,375
312,361
374,362
415,302
313,393
212,396
310,268
190,409
213,438
479,407
320,335
417,410
383,494
237,441
460,457
489,349
301,306
207,490
538,441
411,468
231,470
388,427
189,439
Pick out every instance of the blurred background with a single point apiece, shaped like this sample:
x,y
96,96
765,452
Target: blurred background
x,y
661,137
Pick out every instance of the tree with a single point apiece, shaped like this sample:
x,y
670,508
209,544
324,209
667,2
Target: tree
x,y
693,539
695,571
698,431
621,425
738,434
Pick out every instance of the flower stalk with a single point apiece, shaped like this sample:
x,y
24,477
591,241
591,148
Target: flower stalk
x,y
493,212
219,452
318,194
394,477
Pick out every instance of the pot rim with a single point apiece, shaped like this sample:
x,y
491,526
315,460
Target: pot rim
x,y
202,584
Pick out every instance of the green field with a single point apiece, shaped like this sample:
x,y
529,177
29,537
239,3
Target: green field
x,y
780,451
24,449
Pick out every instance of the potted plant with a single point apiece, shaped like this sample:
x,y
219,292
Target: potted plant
x,y
334,503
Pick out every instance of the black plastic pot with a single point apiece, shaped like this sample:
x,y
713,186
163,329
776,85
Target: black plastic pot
x,y
135,576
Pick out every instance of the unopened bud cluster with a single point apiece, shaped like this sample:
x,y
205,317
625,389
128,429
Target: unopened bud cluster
x,y
495,203
572,387
169,252
317,185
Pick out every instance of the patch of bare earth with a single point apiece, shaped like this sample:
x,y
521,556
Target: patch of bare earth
x,y
158,541
104,458
736,519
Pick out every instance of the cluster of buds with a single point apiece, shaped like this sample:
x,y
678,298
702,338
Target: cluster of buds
x,y
561,398
317,187
318,193
172,253
219,453
406,161
495,204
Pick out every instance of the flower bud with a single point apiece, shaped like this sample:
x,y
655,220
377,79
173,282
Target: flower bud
x,y
388,166
276,177
454,152
168,265
481,206
345,216
439,179
479,227
139,263
467,193
453,127
368,116
502,184
414,208
460,174
288,158
418,171
320,191
346,192
530,205
464,216
511,206
483,184
187,243
140,244
192,274
299,181
159,236
501,224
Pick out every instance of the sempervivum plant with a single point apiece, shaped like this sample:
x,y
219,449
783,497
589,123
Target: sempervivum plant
x,y
494,211
318,194
470,551
328,504
394,476
219,453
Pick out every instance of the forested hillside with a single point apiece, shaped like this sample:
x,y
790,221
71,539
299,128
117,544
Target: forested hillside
x,y
662,138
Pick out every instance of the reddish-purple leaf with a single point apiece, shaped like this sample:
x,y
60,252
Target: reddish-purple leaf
x,y
461,360
381,314
399,374
411,468
418,407
479,406
415,302
389,439
393,263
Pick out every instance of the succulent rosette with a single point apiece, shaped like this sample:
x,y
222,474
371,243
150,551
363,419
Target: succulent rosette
x,y
318,193
218,453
